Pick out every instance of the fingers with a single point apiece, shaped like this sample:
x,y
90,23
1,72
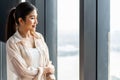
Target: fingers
x,y
48,70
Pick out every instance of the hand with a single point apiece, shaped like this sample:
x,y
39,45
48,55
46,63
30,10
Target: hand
x,y
49,70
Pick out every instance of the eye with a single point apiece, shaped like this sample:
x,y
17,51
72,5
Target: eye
x,y
32,18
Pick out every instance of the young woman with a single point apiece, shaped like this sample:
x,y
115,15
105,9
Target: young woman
x,y
27,52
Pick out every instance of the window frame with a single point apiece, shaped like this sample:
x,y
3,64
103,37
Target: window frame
x,y
94,29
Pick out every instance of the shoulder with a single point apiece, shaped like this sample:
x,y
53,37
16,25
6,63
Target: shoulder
x,y
39,35
11,41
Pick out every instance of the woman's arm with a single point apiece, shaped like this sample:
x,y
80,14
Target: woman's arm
x,y
49,68
18,63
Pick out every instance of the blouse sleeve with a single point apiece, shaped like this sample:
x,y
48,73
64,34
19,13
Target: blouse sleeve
x,y
18,62
46,51
48,62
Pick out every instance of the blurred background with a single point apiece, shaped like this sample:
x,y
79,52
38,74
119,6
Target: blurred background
x,y
114,51
68,39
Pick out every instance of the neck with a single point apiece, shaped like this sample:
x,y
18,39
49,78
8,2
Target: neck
x,y
23,33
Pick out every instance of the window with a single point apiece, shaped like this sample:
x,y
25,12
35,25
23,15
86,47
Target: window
x,y
23,0
68,39
114,40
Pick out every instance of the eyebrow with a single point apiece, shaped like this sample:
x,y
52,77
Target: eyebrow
x,y
33,15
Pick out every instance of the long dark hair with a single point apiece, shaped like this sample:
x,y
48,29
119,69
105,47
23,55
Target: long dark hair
x,y
21,11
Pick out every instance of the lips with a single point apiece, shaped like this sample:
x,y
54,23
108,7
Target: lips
x,y
33,26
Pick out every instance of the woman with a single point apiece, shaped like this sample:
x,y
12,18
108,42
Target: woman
x,y
27,52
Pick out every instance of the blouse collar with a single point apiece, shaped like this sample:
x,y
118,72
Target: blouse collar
x,y
19,38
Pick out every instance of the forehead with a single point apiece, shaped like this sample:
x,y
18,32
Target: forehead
x,y
33,13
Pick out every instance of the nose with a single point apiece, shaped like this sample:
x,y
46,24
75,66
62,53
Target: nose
x,y
36,21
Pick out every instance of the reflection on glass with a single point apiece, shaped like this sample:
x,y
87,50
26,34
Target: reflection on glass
x,y
114,40
23,0
68,39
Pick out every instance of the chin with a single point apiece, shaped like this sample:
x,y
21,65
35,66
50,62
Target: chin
x,y
33,30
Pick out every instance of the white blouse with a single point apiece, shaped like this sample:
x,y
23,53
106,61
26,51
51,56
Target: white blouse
x,y
35,57
25,63
35,62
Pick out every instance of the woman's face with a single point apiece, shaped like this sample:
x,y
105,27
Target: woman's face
x,y
31,21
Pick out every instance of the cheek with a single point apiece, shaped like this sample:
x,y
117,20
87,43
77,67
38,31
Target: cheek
x,y
32,22
29,22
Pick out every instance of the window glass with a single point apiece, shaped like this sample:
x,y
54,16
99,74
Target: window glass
x,y
23,0
68,39
114,40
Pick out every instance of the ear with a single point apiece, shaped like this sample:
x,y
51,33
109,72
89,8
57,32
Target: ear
x,y
21,21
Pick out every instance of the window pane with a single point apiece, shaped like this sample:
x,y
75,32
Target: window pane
x,y
114,40
23,0
68,39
